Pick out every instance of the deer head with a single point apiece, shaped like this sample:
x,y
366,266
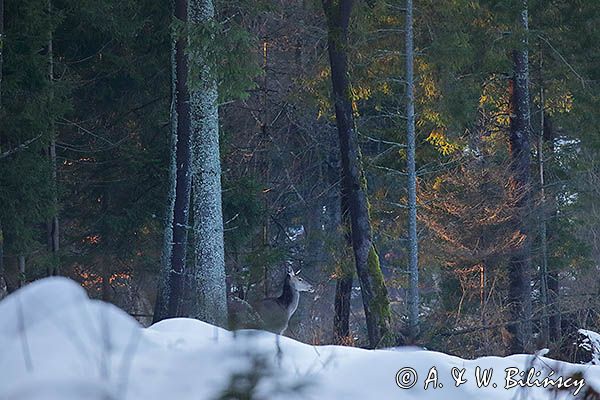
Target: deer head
x,y
298,283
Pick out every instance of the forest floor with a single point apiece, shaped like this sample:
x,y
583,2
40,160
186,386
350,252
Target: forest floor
x,y
56,343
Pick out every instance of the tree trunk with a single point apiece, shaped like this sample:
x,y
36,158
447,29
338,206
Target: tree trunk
x,y
374,292
519,267
52,227
413,242
551,330
171,282
22,272
338,220
210,298
554,323
341,320
3,289
343,288
264,162
1,41
3,286
543,273
554,320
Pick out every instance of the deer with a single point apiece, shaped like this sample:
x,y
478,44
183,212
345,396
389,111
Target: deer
x,y
272,313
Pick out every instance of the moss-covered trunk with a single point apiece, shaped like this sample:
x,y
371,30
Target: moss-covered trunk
x,y
374,292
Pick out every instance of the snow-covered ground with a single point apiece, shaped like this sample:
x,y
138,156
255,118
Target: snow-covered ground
x,y
56,343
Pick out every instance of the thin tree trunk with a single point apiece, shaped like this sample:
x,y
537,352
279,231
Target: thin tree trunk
x,y
163,290
210,303
52,226
2,279
545,321
3,286
343,288
336,221
22,272
1,41
520,261
374,292
413,242
264,158
554,323
341,320
171,282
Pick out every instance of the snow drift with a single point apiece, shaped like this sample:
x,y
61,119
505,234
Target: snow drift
x,y
56,343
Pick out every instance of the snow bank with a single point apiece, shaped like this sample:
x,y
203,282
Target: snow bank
x,y
590,342
55,343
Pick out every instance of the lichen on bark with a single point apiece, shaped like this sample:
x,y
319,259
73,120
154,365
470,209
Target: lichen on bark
x,y
210,301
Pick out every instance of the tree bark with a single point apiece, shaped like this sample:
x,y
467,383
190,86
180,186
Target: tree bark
x,y
22,271
549,286
341,320
3,289
210,297
3,286
413,241
545,320
554,322
52,226
343,288
337,207
374,292
1,41
173,263
519,266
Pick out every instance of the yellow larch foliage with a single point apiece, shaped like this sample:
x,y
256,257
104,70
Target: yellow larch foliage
x,y
439,140
494,99
426,80
561,103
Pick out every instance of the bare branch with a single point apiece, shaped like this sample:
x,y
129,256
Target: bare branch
x,y
20,147
563,60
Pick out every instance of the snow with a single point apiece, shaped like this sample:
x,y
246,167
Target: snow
x,y
591,342
56,343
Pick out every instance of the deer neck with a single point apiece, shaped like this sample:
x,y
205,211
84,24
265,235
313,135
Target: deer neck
x,y
289,297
